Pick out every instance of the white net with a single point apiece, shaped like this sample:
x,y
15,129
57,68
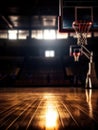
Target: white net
x,y
81,28
76,56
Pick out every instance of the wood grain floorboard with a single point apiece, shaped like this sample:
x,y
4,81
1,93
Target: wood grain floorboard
x,y
48,108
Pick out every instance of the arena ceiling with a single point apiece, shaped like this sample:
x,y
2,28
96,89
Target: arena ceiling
x,y
34,14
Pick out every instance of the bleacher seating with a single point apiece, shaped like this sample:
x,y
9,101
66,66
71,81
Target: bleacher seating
x,y
25,59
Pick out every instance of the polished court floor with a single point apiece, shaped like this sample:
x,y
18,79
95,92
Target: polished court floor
x,y
48,109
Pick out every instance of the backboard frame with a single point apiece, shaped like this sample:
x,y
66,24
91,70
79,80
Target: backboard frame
x,y
72,49
74,10
81,8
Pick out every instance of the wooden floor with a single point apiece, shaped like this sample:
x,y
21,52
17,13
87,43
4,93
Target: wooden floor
x,y
48,109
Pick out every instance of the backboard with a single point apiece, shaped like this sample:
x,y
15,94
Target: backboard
x,y
75,52
74,48
70,11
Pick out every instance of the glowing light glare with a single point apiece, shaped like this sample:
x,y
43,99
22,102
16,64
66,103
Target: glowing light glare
x,y
90,23
51,117
12,34
49,53
39,34
89,101
49,34
62,35
52,53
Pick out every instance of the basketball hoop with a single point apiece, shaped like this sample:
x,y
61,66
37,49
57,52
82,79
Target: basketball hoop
x,y
82,29
76,55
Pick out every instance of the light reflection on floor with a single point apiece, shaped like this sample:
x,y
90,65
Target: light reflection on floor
x,y
51,116
48,109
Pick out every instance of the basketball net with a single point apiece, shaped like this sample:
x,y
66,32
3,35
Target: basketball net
x,y
82,29
76,56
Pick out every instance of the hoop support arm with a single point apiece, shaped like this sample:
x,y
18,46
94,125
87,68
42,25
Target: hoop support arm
x,y
87,53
